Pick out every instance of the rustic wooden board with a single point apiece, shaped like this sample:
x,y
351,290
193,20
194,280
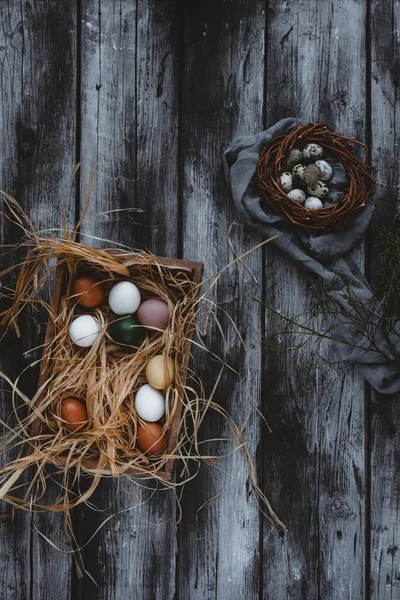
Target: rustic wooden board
x,y
314,457
161,88
15,571
218,544
39,66
384,415
129,124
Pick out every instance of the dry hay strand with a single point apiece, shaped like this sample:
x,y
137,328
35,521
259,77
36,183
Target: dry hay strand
x,y
104,375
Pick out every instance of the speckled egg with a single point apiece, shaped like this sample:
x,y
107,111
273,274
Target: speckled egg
x,y
297,195
286,181
312,203
298,172
320,189
312,175
293,157
312,152
325,168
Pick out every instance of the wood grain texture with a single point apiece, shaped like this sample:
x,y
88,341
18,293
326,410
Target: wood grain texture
x,y
40,62
384,412
15,572
163,88
218,544
108,117
129,123
314,457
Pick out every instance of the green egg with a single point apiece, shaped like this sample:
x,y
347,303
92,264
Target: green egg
x,y
127,331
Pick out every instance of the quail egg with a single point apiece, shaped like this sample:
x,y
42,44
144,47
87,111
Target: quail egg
x,y
297,195
325,168
298,172
293,158
320,189
313,203
312,152
286,181
312,175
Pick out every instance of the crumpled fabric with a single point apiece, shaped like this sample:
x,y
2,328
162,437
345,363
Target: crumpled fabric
x,y
321,255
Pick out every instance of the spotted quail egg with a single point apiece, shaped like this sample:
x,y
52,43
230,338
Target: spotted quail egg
x,y
312,175
313,203
297,195
298,172
325,168
293,157
320,189
286,181
312,152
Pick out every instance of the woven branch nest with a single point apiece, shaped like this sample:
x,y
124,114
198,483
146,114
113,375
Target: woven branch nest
x,y
337,216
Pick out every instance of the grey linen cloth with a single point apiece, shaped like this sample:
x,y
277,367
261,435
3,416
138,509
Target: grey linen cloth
x,y
323,255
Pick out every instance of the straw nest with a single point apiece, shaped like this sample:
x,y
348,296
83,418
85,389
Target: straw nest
x,y
106,376
337,216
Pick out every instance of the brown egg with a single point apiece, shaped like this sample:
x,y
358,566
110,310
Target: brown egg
x,y
73,412
151,438
89,292
154,313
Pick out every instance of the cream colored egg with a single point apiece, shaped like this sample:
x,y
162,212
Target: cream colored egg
x,y
160,372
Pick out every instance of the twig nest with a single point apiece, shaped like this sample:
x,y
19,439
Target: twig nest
x,y
312,174
297,195
350,183
286,181
293,158
313,203
325,168
312,152
319,190
298,172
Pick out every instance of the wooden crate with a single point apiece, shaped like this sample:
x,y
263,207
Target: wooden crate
x,y
195,270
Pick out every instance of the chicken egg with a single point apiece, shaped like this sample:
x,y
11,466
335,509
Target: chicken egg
x,y
88,291
124,298
154,313
127,331
160,371
151,438
149,403
73,413
84,331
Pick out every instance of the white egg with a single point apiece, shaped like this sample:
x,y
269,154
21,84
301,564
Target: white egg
x,y
286,181
149,404
319,190
297,195
124,298
84,331
313,203
325,168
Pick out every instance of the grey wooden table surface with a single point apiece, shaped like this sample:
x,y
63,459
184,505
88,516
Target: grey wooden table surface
x,y
153,92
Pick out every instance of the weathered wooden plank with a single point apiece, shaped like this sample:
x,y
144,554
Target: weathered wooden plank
x,y
129,124
15,572
47,156
38,155
384,412
314,457
218,544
